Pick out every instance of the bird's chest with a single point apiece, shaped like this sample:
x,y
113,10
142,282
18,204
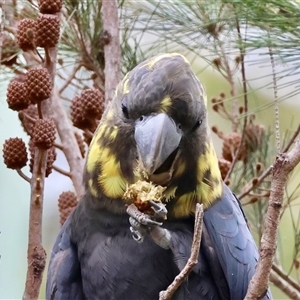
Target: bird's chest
x,y
114,266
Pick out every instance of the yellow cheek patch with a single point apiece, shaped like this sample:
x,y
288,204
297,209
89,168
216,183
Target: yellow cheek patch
x,y
180,169
110,178
113,134
165,104
208,188
185,205
92,189
93,156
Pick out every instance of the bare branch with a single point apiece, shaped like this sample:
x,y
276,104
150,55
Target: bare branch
x,y
36,255
284,164
68,142
285,277
112,48
20,172
192,261
61,171
284,286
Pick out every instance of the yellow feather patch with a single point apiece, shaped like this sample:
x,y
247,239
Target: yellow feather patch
x,y
113,134
110,178
92,189
205,99
125,84
169,193
208,189
185,205
165,104
180,169
109,116
93,156
153,61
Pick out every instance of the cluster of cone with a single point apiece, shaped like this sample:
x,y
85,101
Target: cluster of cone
x,y
26,91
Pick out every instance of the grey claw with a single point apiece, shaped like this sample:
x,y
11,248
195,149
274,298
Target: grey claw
x,y
136,235
141,217
159,209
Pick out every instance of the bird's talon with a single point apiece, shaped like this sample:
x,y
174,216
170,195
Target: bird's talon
x,y
159,209
136,235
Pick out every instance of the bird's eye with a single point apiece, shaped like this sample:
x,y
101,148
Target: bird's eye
x,y
125,110
179,126
141,118
197,125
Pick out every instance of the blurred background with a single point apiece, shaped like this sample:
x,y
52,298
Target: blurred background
x,y
219,39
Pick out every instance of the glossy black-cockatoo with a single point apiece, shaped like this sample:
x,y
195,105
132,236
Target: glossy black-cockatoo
x,y
154,130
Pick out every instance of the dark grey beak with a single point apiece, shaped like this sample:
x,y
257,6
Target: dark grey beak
x,y
157,137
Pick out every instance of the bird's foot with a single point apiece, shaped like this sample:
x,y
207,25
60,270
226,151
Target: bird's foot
x,y
143,224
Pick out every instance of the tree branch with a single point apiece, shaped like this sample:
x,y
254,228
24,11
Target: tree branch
x,y
192,261
284,286
36,255
68,142
112,48
284,164
269,169
288,279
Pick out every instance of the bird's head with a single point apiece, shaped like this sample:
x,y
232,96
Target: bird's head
x,y
156,129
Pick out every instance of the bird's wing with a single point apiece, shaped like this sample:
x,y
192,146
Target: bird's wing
x,y
233,243
64,277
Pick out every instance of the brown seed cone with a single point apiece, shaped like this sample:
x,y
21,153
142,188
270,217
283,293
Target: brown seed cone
x,y
16,96
44,133
78,117
15,153
231,144
50,6
9,51
51,157
38,84
92,101
25,34
67,199
28,117
47,31
224,166
64,214
80,143
254,136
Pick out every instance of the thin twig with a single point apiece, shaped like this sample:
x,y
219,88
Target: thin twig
x,y
192,261
269,169
284,286
58,146
61,171
286,277
276,105
243,71
283,166
71,77
20,172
